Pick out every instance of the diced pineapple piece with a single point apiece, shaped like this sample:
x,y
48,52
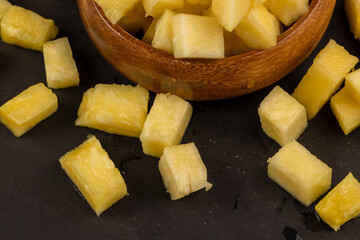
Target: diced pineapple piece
x,y
116,109
188,8
94,174
197,37
256,3
163,38
300,173
133,21
150,32
289,11
27,29
200,2
156,8
352,83
4,6
183,170
259,29
234,44
61,71
282,117
346,110
341,204
165,124
352,9
27,109
324,77
116,9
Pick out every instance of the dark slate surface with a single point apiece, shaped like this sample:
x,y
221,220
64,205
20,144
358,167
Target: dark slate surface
x,y
38,201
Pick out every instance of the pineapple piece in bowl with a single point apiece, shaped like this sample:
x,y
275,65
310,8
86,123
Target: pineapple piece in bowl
x,y
116,9
163,37
289,11
156,8
133,21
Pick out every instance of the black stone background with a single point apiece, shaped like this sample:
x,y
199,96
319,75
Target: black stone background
x,y
38,200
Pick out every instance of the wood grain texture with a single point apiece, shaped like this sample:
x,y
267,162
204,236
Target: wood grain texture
x,y
205,79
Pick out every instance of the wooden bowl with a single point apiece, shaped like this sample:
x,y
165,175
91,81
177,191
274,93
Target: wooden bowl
x,y
205,79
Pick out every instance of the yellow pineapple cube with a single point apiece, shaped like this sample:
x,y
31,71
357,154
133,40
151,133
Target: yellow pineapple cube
x,y
289,11
352,9
206,3
156,8
94,174
188,8
133,21
230,12
4,6
259,29
197,37
27,29
234,44
165,124
163,38
300,173
346,110
116,9
183,170
150,32
324,77
116,109
27,109
352,83
282,117
341,204
61,71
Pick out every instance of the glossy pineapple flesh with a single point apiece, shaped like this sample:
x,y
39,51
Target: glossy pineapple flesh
x,y
289,11
300,173
282,117
165,124
116,9
352,9
61,70
197,37
324,77
183,170
341,204
94,174
352,83
133,21
27,109
4,6
156,8
163,37
26,29
259,29
116,109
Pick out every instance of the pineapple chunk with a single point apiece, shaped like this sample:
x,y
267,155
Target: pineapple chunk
x,y
282,117
27,29
259,29
289,11
116,109
4,6
352,83
163,38
27,109
197,37
165,124
300,173
230,12
133,21
182,170
324,77
188,8
150,32
116,9
234,44
352,9
346,110
206,3
341,204
94,174
156,8
61,71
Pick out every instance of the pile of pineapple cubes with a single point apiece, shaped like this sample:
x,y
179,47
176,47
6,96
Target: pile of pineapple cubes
x,y
205,28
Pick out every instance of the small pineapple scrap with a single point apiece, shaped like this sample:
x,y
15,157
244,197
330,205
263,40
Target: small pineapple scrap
x,y
300,173
183,170
259,29
324,77
282,117
27,109
27,29
346,110
4,6
165,124
352,83
116,9
94,174
341,204
197,37
156,8
133,21
116,109
61,71
352,9
163,38
289,11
